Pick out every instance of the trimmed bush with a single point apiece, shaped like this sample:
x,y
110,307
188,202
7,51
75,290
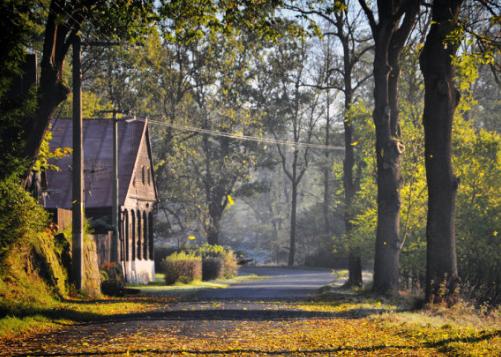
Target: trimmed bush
x,y
212,268
218,262
230,264
182,267
112,279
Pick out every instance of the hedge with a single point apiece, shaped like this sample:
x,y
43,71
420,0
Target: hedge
x,y
182,267
217,262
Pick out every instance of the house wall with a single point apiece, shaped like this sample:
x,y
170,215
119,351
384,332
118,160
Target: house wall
x,y
136,245
141,187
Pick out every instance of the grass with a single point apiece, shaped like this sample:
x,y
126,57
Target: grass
x,y
23,320
158,286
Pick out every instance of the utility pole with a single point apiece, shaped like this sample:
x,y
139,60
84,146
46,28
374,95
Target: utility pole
x,y
77,204
115,214
115,204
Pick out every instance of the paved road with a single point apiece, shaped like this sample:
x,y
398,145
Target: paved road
x,y
202,320
279,284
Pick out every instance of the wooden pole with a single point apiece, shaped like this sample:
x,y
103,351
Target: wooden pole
x,y
115,204
77,171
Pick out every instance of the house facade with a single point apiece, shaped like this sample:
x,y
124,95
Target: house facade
x,y
137,189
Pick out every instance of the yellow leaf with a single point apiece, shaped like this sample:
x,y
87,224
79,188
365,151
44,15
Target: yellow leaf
x,y
230,200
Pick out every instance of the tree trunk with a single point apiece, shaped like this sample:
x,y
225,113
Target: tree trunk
x,y
354,259
386,264
292,249
213,235
389,40
441,99
215,214
326,172
52,90
354,269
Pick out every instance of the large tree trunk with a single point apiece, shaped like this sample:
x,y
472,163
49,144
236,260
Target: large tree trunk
x,y
441,99
390,35
52,90
215,214
213,235
386,264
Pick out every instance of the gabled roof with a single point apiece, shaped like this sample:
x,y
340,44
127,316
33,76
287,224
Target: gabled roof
x,y
98,161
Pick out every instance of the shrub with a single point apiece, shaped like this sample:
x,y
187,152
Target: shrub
x,y
209,250
21,217
112,279
218,262
212,268
182,267
230,264
31,268
160,254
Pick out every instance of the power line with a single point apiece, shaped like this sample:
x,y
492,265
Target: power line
x,y
244,137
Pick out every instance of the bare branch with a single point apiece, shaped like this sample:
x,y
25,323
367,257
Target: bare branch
x,y
370,15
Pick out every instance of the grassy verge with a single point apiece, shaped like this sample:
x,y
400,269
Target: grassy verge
x,y
158,287
393,325
24,320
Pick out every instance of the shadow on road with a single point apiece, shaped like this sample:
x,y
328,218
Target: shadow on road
x,y
383,348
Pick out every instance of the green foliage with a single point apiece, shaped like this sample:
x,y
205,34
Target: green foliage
x,y
21,218
14,113
182,267
210,250
42,163
20,24
217,262
478,218
31,269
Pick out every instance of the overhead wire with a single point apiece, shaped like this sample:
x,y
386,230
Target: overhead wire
x,y
238,136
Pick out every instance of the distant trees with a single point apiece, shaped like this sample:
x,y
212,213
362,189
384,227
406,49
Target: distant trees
x,y
345,73
292,115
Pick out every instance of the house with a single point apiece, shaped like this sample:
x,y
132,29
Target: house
x,y
137,189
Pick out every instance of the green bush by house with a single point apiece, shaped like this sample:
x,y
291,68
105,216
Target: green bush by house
x,y
217,262
212,268
207,262
182,267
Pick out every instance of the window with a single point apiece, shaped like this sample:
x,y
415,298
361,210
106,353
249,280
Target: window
x,y
149,176
143,175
